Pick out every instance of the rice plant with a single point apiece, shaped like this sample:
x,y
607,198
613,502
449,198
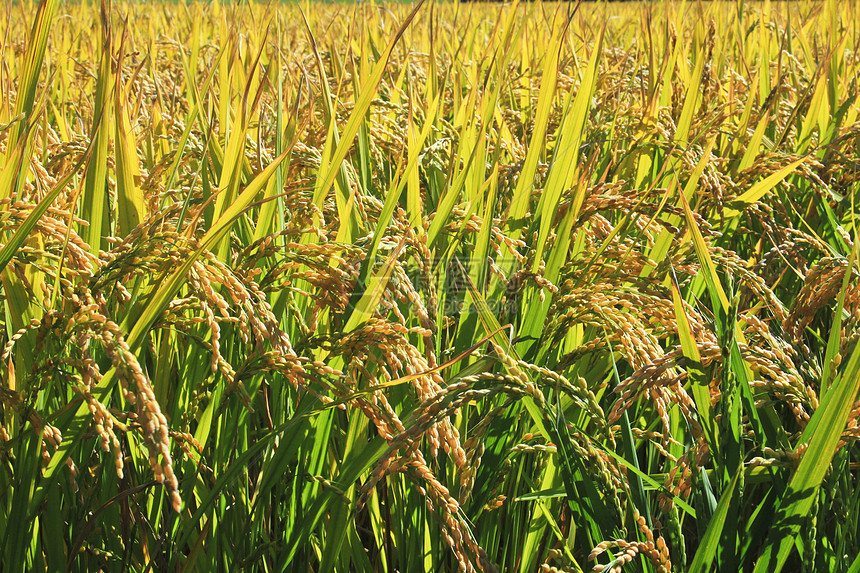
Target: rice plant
x,y
430,287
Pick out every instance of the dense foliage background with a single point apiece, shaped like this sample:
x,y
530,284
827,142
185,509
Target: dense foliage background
x,y
365,288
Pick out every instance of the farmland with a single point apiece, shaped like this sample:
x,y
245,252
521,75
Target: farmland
x,y
429,287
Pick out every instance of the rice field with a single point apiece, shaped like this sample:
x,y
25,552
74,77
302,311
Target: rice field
x,y
526,287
